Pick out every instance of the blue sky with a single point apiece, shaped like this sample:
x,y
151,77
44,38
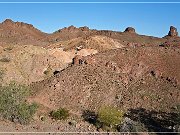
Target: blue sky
x,y
147,19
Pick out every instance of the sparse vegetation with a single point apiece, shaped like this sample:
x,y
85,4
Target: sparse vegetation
x,y
12,103
25,112
60,114
110,116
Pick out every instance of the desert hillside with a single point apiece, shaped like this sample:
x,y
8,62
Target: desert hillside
x,y
145,77
62,81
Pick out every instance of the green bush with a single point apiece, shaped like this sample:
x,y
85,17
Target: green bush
x,y
60,114
26,111
12,103
110,116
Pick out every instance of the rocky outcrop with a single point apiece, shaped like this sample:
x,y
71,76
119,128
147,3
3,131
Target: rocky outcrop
x,y
10,22
173,32
130,30
73,28
85,28
77,60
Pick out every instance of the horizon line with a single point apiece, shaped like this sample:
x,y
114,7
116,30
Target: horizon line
x,y
90,28
88,2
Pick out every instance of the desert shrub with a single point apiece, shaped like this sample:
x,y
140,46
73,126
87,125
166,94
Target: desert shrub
x,y
110,116
12,103
4,59
60,114
107,118
26,111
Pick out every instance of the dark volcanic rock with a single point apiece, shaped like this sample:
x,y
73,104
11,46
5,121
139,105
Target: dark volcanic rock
x,y
130,30
173,32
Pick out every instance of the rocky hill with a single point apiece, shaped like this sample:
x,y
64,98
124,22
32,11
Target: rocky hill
x,y
99,43
116,78
128,37
20,33
82,70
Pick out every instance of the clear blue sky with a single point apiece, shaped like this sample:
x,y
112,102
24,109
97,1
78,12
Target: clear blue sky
x,y
147,19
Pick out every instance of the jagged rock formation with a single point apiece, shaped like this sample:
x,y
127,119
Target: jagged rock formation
x,y
23,33
173,32
130,30
172,39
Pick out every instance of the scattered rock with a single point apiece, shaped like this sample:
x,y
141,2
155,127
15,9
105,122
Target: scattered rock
x,y
113,66
129,125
